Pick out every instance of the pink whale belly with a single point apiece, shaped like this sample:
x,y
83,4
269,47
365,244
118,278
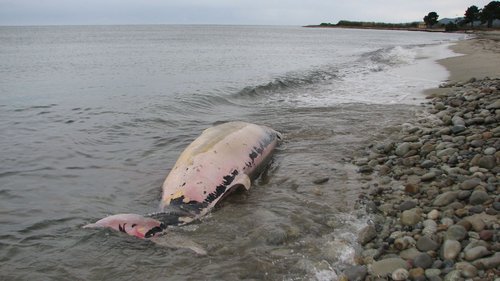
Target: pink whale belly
x,y
221,158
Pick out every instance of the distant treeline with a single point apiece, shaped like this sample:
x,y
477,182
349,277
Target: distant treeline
x,y
347,23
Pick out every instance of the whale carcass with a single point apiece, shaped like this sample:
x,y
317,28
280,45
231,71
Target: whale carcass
x,y
223,158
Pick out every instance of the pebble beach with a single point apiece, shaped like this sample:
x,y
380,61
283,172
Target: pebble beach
x,y
432,189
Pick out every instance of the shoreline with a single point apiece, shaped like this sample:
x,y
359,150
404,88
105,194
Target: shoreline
x,y
478,58
432,188
381,28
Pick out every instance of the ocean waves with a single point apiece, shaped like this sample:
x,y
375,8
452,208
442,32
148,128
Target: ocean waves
x,y
290,82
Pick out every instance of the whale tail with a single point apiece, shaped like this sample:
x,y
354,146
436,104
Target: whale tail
x,y
149,227
131,224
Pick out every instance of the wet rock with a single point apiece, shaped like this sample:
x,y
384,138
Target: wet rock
x,y
488,263
445,198
450,249
476,253
356,273
402,148
470,183
490,151
464,194
430,227
465,223
407,205
487,162
410,217
400,274
433,215
402,243
457,121
369,255
457,129
428,176
367,234
321,180
486,235
466,269
409,254
427,164
453,275
456,232
478,197
476,222
496,206
365,169
446,152
412,188
494,105
427,148
387,266
425,244
417,274
423,260
432,272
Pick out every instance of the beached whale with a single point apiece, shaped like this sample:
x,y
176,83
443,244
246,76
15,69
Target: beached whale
x,y
223,158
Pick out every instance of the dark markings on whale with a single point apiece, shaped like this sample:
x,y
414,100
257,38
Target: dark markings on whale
x,y
220,189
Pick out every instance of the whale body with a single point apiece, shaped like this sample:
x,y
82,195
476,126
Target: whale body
x,y
223,158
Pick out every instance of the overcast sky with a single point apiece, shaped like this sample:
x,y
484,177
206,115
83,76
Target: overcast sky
x,y
259,12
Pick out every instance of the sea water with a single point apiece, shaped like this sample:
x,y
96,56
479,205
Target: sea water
x,y
92,118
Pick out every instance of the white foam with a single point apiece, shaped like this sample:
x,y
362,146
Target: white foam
x,y
326,275
397,75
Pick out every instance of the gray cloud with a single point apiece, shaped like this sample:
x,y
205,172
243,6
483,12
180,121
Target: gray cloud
x,y
290,12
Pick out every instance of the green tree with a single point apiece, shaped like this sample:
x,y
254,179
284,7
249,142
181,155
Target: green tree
x,y
490,13
431,19
471,15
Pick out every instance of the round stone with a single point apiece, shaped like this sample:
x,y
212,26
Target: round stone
x,y
356,272
432,272
451,249
425,244
388,266
487,162
476,253
428,176
477,209
478,197
490,151
467,269
400,274
486,235
456,232
434,214
496,206
445,198
423,260
410,217
406,205
412,188
452,276
470,183
402,148
367,234
417,274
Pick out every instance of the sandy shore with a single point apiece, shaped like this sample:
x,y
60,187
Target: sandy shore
x,y
481,58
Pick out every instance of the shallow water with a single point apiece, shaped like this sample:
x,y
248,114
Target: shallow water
x,y
93,118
